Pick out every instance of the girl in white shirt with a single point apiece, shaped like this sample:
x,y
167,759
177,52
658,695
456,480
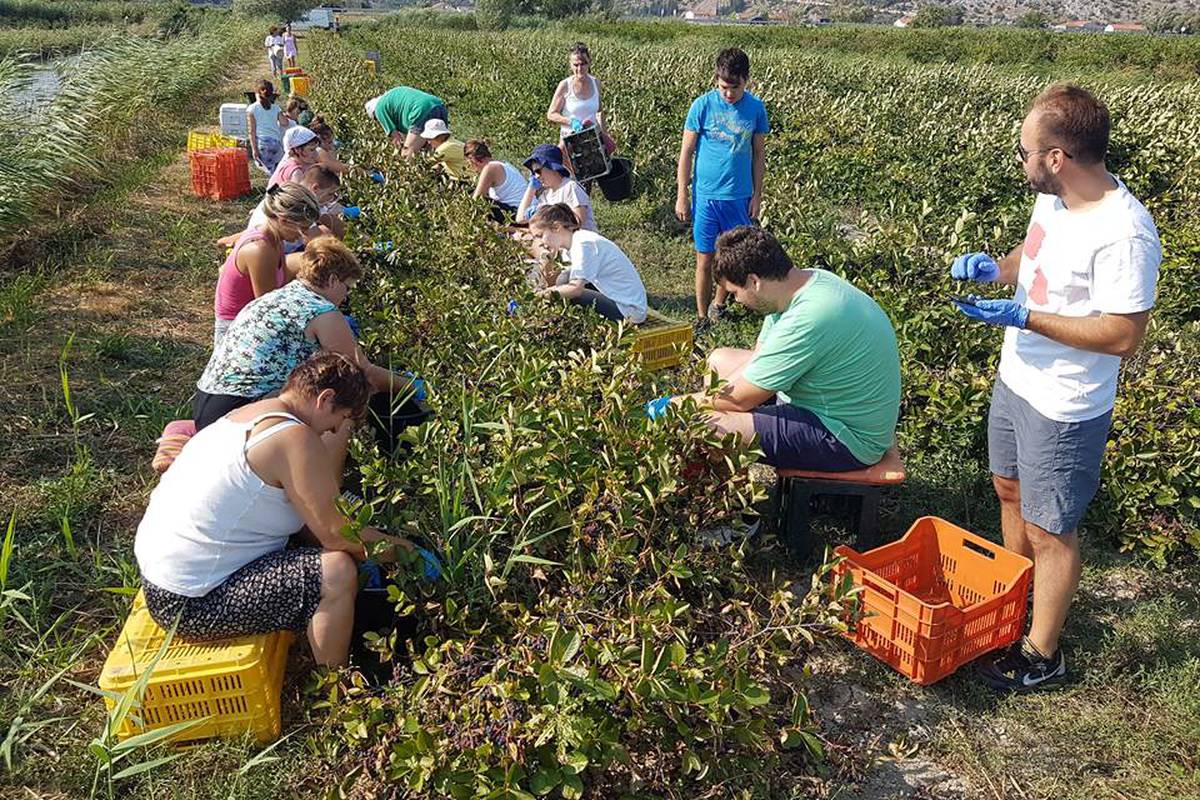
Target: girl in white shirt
x,y
599,275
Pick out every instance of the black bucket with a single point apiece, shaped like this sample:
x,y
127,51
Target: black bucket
x,y
618,183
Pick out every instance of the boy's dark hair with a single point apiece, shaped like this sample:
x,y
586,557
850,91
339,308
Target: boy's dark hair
x,y
329,370
477,148
323,177
733,65
1073,119
559,214
750,250
265,85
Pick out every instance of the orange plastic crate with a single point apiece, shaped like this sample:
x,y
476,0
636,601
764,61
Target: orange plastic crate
x,y
220,173
938,598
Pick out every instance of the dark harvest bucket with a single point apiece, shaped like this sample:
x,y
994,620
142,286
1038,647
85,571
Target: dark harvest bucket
x,y
618,183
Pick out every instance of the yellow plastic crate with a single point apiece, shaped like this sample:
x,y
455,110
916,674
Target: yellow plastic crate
x,y
209,140
662,342
301,85
235,683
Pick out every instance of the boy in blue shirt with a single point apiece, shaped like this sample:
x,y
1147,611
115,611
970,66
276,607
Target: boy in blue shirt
x,y
724,136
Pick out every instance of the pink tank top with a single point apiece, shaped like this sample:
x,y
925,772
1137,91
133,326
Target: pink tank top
x,y
288,170
234,289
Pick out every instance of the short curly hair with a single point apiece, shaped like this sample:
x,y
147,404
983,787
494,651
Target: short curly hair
x,y
327,259
750,250
732,65
329,370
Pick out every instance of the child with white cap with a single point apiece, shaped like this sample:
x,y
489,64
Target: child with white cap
x,y
301,148
447,151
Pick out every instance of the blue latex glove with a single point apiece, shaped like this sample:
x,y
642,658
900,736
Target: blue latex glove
x,y
658,407
576,125
996,312
535,183
975,267
337,142
353,323
511,308
420,393
433,567
351,212
383,247
374,576
378,177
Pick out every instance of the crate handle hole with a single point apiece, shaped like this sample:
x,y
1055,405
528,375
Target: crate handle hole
x,y
980,549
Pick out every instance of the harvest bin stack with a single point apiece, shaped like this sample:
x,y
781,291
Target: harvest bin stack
x,y
937,599
220,174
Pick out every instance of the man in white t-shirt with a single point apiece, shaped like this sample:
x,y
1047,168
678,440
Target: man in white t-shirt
x,y
1085,278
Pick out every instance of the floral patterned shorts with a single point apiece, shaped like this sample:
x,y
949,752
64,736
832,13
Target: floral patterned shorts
x,y
279,591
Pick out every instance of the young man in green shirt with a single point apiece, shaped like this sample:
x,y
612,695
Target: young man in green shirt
x,y
821,388
403,112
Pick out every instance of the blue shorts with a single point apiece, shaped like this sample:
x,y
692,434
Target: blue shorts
x,y
795,438
711,218
1057,463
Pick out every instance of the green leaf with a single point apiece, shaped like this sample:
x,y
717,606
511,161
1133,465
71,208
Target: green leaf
x,y
544,781
572,786
756,696
575,762
145,766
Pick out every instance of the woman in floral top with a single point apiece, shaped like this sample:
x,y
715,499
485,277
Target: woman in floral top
x,y
281,329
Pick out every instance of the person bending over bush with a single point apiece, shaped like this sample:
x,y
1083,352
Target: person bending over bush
x,y
283,328
599,275
212,545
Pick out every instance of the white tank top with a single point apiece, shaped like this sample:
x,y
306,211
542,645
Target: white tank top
x,y
211,514
582,109
266,121
512,190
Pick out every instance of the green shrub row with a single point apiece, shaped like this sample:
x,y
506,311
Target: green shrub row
x,y
883,172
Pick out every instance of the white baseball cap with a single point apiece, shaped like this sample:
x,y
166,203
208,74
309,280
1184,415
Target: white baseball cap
x,y
370,106
297,136
435,128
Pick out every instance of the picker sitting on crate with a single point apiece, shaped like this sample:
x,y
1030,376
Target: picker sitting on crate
x,y
599,276
212,545
265,124
552,183
821,387
403,113
1085,278
500,183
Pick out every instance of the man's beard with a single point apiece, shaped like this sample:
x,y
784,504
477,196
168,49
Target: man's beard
x,y
1045,182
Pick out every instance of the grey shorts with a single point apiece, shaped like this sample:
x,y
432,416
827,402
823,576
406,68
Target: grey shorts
x,y
1057,463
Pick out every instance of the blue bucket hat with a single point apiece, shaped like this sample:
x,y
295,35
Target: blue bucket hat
x,y
548,155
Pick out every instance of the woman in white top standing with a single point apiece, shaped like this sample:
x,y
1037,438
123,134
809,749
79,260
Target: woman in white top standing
x,y
499,181
576,102
265,124
211,547
599,276
274,45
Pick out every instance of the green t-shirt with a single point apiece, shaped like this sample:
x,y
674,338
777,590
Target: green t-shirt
x,y
833,352
403,107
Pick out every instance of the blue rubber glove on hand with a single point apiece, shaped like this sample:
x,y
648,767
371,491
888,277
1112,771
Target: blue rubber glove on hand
x,y
420,393
351,212
383,247
353,323
658,407
975,267
374,577
996,312
433,567
378,177
511,308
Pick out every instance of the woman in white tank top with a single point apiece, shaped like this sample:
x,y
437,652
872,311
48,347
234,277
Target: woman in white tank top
x,y
578,96
499,181
211,546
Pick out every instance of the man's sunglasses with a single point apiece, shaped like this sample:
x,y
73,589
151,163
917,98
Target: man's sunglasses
x,y
1024,154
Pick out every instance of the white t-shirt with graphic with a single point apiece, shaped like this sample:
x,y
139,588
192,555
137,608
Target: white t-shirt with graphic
x,y
1103,260
598,261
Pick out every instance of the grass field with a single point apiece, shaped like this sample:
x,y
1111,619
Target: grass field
x,y
113,301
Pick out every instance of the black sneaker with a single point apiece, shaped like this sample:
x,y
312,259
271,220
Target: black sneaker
x,y
1022,668
717,312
